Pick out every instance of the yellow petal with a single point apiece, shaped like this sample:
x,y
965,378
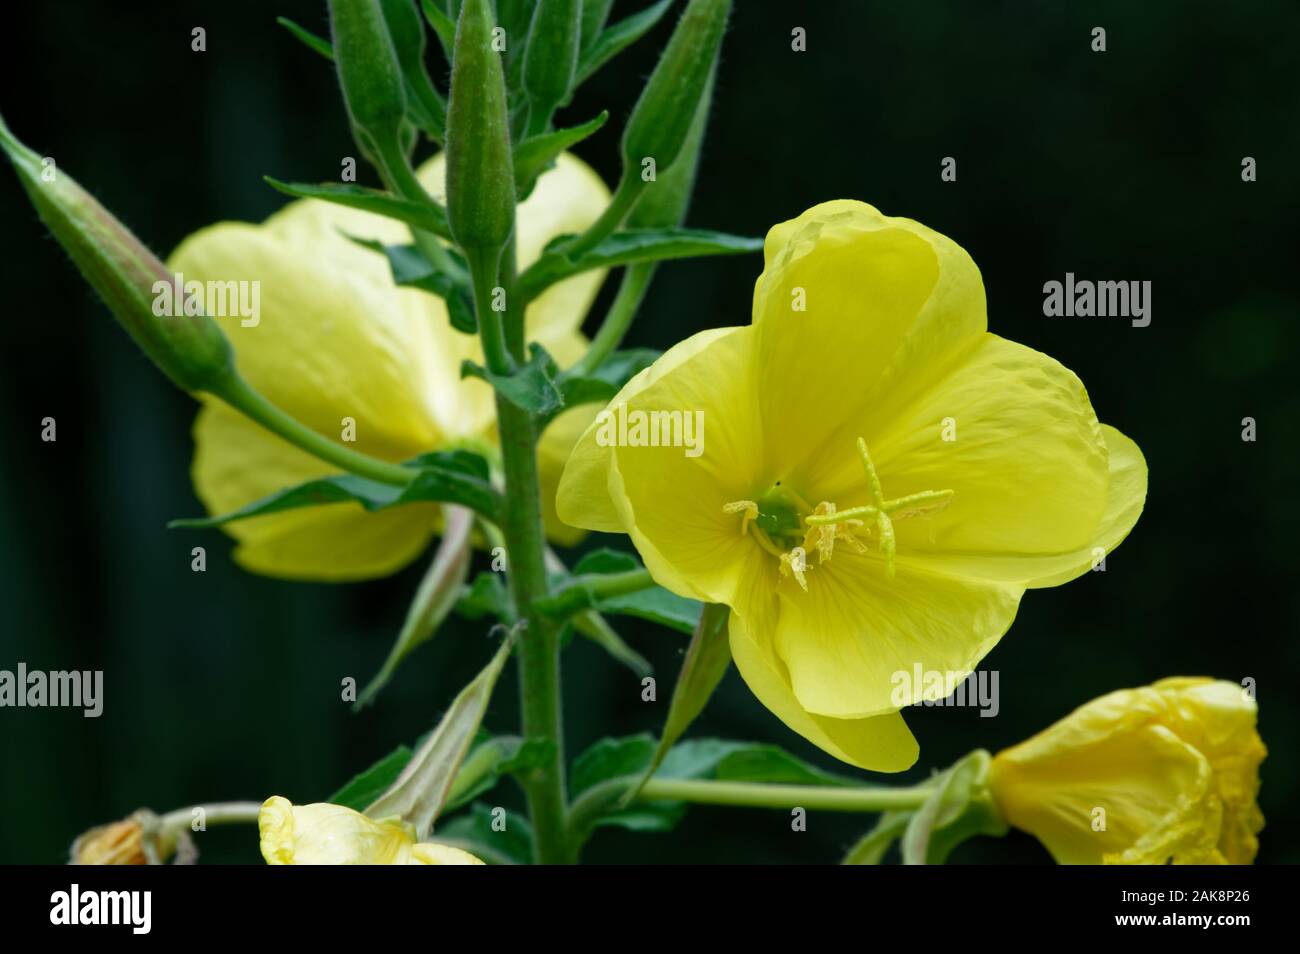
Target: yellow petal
x,y
885,301
237,461
1125,497
583,498
1174,767
879,744
668,501
553,450
853,640
324,834
432,853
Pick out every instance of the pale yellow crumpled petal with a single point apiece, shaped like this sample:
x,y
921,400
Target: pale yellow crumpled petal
x,y
325,834
1167,772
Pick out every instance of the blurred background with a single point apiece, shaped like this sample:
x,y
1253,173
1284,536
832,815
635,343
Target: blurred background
x,y
1117,165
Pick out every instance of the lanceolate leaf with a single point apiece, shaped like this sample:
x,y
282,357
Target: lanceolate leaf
x,y
534,156
607,380
308,39
707,659
444,477
633,245
532,387
654,604
411,269
425,217
617,37
418,794
497,836
365,787
492,760
871,848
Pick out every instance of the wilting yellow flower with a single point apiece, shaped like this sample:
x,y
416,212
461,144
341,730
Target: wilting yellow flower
x,y
881,478
119,843
324,834
1169,772
335,339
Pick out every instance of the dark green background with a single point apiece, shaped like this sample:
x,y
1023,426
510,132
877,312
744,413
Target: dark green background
x,y
1122,165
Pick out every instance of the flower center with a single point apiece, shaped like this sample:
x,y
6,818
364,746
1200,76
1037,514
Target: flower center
x,y
785,525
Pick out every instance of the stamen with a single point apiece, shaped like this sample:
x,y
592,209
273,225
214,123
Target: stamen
x,y
796,562
747,507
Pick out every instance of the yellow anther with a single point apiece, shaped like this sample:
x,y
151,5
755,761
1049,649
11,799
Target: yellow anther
x,y
796,562
747,507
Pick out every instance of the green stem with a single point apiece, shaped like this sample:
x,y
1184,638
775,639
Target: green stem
x,y
483,265
240,395
632,289
539,651
219,813
539,647
583,592
629,190
761,795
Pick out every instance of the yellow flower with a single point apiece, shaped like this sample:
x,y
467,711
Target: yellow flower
x,y
324,834
336,339
1169,772
881,478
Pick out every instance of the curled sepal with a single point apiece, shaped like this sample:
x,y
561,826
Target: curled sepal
x,y
418,794
707,660
185,343
438,593
480,173
959,808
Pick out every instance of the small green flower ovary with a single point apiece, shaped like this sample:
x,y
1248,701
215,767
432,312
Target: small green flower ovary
x,y
785,525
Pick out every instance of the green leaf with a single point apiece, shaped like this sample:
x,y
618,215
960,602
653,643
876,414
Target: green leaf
x,y
412,270
366,786
308,39
594,15
871,848
607,380
442,477
607,768
592,625
654,604
616,38
437,594
707,658
536,154
419,793
444,27
628,246
770,764
425,217
477,832
491,761
531,387
486,596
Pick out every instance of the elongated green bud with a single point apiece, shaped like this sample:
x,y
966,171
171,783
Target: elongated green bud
x,y
369,72
191,350
664,202
551,63
480,176
594,15
663,115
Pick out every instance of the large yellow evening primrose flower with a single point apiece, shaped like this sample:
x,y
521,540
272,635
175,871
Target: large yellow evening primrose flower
x,y
1169,772
880,480
324,834
336,339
